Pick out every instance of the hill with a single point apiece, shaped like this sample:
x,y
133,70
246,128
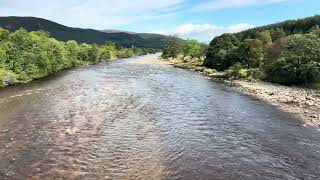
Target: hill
x,y
153,40
65,33
289,27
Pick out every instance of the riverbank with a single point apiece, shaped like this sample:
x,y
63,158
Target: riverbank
x,y
9,78
301,102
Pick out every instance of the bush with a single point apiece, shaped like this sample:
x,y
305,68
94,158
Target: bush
x,y
7,77
281,72
239,71
255,73
309,73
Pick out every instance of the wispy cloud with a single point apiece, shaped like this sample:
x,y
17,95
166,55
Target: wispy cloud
x,y
204,32
221,4
92,13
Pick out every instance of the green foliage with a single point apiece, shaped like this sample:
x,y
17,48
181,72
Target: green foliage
x,y
255,73
250,53
279,30
265,38
191,48
286,53
4,34
274,51
299,62
281,72
30,55
238,71
277,33
172,49
7,77
219,50
203,51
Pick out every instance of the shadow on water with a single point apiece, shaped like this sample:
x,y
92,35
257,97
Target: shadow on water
x,y
128,119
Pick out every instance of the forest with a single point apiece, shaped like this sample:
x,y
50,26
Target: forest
x,y
25,56
89,36
286,53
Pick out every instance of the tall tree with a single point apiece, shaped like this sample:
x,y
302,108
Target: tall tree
x,y
251,53
277,33
191,48
265,39
219,48
172,48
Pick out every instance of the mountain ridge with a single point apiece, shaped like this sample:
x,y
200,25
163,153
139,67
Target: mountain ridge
x,y
81,35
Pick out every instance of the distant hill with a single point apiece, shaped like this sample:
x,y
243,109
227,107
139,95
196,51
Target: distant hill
x,y
65,33
117,31
289,27
151,39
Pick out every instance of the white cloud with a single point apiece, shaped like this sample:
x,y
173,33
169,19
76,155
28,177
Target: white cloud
x,y
91,13
204,32
221,4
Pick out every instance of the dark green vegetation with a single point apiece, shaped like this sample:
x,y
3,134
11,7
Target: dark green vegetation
x,y
64,33
286,53
300,26
25,56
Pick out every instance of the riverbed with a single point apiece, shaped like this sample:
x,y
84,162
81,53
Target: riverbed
x,y
140,118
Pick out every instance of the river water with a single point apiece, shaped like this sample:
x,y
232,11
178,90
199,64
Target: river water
x,y
140,119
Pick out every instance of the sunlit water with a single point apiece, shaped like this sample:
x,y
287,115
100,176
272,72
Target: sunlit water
x,y
129,120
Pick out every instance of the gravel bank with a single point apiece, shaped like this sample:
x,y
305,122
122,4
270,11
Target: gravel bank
x,y
303,103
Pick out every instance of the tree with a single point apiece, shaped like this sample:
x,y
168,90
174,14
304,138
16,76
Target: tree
x,y
3,57
191,48
251,53
315,31
28,55
219,48
4,34
73,51
265,39
299,62
277,33
203,51
172,48
274,51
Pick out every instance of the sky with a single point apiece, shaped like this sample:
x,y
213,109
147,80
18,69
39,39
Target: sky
x,y
198,19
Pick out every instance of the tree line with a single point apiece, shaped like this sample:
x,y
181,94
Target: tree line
x,y
286,53
185,50
300,26
25,56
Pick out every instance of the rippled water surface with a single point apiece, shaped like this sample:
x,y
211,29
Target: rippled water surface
x,y
129,119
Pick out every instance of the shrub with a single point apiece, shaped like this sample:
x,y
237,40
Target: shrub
x,y
281,72
7,77
255,73
239,71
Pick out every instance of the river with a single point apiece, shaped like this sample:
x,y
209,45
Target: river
x,y
140,119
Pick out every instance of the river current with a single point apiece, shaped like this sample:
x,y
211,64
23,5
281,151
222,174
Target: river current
x,y
136,119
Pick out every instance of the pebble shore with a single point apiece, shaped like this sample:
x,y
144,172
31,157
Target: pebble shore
x,y
301,102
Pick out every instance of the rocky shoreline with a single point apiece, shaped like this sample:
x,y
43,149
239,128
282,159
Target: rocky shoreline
x,y
301,102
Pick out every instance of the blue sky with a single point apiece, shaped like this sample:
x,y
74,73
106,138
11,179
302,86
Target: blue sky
x,y
200,19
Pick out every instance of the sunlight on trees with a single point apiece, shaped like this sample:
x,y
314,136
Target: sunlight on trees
x,y
30,55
